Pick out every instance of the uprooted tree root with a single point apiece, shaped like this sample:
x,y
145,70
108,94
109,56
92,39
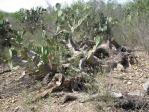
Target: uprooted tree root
x,y
59,83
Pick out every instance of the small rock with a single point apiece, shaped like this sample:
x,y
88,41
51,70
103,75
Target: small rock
x,y
32,53
23,73
16,109
66,65
120,67
115,69
13,101
23,63
10,73
16,67
124,73
63,105
146,86
39,64
129,83
125,81
116,95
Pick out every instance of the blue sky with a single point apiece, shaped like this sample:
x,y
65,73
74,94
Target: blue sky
x,y
15,5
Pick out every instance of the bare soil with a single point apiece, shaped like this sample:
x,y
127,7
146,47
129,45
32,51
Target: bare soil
x,y
16,92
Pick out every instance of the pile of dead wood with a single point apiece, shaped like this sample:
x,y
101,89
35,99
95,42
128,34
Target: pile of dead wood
x,y
57,83
107,56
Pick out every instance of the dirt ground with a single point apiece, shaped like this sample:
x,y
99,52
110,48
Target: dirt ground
x,y
16,92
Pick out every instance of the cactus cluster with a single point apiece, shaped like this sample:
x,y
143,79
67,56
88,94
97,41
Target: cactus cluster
x,y
77,18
